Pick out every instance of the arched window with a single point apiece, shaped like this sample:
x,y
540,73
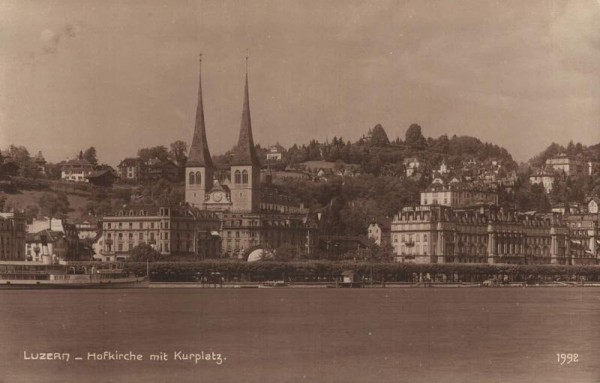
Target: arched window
x,y
192,178
198,178
238,177
245,177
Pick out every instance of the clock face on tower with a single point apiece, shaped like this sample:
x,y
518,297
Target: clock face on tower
x,y
218,197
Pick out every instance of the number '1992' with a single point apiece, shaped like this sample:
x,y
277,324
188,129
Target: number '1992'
x,y
566,358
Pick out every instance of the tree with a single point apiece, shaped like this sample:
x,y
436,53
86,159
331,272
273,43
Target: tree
x,y
29,169
20,154
90,155
53,171
159,152
414,138
379,137
31,211
54,205
143,252
178,152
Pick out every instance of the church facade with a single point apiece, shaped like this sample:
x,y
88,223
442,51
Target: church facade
x,y
251,215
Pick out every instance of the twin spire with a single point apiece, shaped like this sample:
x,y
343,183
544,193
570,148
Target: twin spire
x,y
243,154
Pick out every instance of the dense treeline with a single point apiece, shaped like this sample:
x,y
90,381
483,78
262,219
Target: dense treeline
x,y
569,189
329,271
349,204
382,189
376,155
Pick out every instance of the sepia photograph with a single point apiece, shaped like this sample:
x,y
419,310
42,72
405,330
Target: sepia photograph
x,y
299,191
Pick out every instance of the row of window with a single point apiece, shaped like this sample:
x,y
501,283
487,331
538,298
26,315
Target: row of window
x,y
140,225
140,236
412,238
161,247
416,250
239,177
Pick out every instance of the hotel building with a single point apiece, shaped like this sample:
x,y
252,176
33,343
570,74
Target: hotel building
x,y
486,234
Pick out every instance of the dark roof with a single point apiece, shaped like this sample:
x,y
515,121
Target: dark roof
x,y
244,153
51,236
131,162
199,154
40,157
100,173
77,163
89,219
158,163
277,147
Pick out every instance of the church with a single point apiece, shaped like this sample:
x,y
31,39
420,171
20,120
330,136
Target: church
x,y
252,215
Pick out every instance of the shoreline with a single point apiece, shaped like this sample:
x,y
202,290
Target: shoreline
x,y
256,285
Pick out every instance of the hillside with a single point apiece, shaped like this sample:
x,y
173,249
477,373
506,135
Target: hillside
x,y
29,198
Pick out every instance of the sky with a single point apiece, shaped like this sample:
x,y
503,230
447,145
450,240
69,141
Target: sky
x,y
123,75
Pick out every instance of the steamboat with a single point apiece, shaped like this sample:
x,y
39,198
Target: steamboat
x,y
65,275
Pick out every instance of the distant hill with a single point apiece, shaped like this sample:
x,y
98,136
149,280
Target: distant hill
x,y
377,155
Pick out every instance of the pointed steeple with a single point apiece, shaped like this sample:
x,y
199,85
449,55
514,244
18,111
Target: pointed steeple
x,y
245,153
199,153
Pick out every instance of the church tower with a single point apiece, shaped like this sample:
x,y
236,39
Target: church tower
x,y
245,166
199,168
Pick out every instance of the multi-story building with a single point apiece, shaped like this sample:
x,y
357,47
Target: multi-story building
x,y
584,236
275,152
135,169
545,177
54,237
12,236
170,230
456,194
131,169
412,165
251,216
569,166
379,232
156,169
45,242
593,205
87,227
76,170
487,234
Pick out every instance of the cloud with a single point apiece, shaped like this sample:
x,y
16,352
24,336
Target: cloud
x,y
51,39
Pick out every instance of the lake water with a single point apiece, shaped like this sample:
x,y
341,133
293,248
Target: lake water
x,y
303,335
